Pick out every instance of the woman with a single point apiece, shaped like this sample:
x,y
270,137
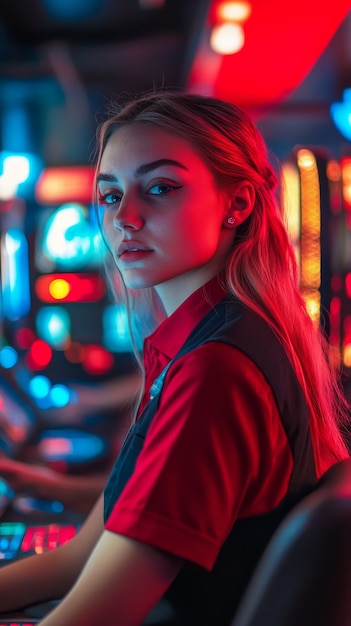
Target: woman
x,y
240,412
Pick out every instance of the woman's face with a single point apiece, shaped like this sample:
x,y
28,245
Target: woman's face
x,y
162,212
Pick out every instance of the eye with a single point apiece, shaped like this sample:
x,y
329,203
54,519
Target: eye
x,y
161,189
110,198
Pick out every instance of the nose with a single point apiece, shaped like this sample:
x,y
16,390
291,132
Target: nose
x,y
127,215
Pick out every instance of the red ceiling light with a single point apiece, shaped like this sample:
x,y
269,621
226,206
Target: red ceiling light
x,y
282,44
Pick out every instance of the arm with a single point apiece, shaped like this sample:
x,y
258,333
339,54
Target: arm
x,y
118,393
75,492
50,575
121,582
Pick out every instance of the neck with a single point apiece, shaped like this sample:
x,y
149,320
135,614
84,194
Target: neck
x,y
174,292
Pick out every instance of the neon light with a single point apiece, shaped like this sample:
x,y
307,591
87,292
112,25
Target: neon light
x,y
18,170
233,11
39,355
39,386
65,184
53,325
24,338
69,238
8,357
346,182
310,233
60,395
97,360
70,287
291,203
59,289
15,274
116,334
341,114
227,38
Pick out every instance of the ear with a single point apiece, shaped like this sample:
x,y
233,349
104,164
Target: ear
x,y
241,203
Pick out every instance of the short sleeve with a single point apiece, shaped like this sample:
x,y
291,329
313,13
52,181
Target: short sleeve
x,y
215,451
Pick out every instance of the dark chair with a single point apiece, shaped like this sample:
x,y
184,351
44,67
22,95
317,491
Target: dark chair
x,y
304,576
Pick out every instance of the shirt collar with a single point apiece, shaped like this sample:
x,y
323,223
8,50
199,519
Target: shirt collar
x,y
169,337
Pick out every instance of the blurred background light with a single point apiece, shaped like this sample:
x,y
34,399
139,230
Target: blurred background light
x,y
341,114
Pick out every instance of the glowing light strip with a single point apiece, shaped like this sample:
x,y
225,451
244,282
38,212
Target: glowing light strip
x,y
15,274
310,249
65,184
291,202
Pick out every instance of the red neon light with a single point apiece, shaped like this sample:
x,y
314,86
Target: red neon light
x,y
348,285
79,287
97,360
39,355
25,338
65,184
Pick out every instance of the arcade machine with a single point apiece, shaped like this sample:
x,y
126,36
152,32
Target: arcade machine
x,y
307,199
58,312
318,201
339,175
60,326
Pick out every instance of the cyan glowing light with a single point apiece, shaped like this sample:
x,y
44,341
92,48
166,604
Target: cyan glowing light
x,y
39,387
116,336
16,167
69,239
60,395
341,114
18,171
8,357
53,324
15,274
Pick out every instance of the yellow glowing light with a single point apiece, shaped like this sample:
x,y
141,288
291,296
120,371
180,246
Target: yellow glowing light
x,y
313,305
291,203
347,355
234,11
310,246
59,288
227,38
306,159
347,193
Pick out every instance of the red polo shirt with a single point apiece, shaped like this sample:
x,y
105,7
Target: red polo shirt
x,y
216,449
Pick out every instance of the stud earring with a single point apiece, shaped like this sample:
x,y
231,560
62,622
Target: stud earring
x,y
231,220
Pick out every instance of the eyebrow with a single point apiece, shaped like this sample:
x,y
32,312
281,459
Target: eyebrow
x,y
143,169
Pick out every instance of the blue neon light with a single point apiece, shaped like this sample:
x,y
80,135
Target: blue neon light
x,y
8,357
39,387
53,325
60,395
341,114
70,239
19,172
116,335
15,275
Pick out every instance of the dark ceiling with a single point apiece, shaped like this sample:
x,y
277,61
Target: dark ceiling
x,y
67,58
115,44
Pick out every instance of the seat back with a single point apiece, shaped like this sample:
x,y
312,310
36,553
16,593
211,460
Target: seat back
x,y
304,575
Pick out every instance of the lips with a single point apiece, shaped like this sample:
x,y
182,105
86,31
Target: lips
x,y
131,246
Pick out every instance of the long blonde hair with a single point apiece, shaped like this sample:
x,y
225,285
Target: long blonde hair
x,y
261,270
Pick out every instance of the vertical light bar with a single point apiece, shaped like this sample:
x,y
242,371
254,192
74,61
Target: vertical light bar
x,y
310,246
14,274
291,202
